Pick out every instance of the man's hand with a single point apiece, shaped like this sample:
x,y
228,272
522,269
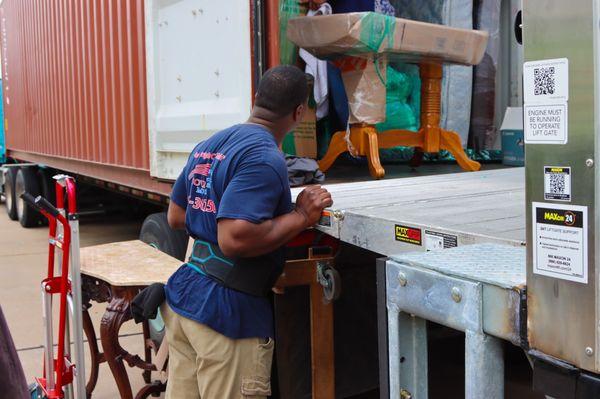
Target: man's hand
x,y
311,202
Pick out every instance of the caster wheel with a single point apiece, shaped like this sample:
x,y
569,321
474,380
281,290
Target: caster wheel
x,y
332,284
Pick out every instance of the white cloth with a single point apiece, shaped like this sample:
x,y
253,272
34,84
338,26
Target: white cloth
x,y
318,69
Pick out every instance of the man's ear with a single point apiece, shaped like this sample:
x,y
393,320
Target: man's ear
x,y
298,112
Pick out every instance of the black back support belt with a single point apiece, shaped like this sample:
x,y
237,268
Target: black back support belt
x,y
254,276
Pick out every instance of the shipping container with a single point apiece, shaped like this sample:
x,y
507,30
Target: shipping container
x,y
120,91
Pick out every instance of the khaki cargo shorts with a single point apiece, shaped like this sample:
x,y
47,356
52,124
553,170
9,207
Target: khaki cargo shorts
x,y
204,364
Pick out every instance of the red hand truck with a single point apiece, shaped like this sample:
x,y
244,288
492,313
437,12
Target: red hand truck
x,y
62,377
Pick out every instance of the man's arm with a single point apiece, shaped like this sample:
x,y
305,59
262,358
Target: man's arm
x,y
240,238
176,216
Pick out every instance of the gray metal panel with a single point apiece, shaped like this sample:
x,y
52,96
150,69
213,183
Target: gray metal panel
x,y
498,265
429,295
361,195
499,268
502,313
382,331
563,314
476,207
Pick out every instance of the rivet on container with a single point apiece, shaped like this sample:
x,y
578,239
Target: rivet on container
x,y
589,351
589,163
456,294
402,279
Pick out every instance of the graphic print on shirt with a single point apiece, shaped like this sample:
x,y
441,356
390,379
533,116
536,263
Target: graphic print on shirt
x,y
200,178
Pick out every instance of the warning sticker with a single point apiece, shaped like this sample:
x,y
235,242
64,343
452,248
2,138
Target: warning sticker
x,y
325,220
557,183
435,240
408,234
560,237
546,124
546,96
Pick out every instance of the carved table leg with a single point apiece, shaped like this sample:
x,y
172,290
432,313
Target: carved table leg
x,y
95,355
337,146
117,312
147,374
153,389
451,142
375,167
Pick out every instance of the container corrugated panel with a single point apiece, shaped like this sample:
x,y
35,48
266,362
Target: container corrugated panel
x,y
75,81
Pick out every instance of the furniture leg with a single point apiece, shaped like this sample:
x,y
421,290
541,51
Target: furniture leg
x,y
153,389
147,351
95,355
375,167
451,141
322,355
417,158
117,312
337,146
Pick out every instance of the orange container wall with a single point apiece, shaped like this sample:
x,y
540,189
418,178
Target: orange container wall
x,y
75,86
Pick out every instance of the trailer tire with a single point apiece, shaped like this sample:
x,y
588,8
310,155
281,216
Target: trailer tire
x,y
9,193
26,181
157,232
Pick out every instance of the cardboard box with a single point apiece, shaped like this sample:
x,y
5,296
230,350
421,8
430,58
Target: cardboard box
x,y
305,135
361,44
366,34
302,142
364,80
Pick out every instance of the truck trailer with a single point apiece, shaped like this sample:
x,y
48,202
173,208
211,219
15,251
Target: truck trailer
x,y
118,92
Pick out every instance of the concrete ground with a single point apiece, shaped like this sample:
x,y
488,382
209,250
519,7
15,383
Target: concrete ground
x,y
23,257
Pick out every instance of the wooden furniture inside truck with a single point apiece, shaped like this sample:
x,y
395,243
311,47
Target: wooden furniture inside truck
x,y
430,137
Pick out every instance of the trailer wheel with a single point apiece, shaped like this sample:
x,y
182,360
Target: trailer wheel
x,y
156,232
26,181
9,193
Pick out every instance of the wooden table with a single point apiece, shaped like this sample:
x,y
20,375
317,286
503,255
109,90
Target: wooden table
x,y
115,273
430,137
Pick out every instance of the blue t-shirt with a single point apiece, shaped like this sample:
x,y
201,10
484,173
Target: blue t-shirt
x,y
238,173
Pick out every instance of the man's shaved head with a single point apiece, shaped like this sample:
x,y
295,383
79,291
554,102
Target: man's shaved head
x,y
282,89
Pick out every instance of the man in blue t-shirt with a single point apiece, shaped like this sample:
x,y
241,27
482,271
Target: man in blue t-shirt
x,y
233,198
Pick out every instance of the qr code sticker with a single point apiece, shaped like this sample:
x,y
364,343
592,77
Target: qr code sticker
x,y
544,80
557,183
